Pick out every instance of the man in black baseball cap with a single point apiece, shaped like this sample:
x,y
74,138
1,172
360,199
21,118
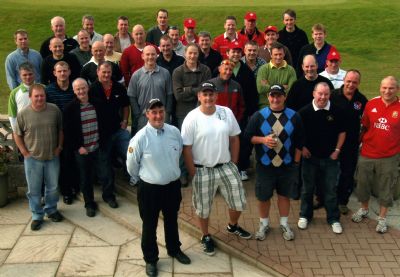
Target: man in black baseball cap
x,y
277,135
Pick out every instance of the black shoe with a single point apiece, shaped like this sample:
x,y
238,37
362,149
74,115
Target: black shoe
x,y
112,203
36,225
151,269
237,230
90,211
181,257
208,245
56,217
68,199
91,208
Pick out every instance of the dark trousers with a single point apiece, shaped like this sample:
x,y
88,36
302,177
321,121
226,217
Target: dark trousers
x,y
348,162
97,162
68,181
244,153
152,199
324,173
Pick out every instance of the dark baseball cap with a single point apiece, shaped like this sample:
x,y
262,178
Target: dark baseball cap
x,y
276,89
207,86
155,102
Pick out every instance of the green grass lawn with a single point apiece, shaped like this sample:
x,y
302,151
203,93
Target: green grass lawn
x,y
365,32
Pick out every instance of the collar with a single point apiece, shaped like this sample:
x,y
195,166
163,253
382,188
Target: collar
x,y
156,69
157,132
19,50
186,68
24,88
226,36
282,66
327,107
179,45
93,61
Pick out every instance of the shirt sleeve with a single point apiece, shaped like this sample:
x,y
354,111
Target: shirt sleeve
x,y
11,73
187,130
251,127
133,158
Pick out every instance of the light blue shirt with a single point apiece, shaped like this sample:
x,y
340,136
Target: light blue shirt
x,y
153,155
14,59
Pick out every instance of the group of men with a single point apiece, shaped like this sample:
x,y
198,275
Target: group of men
x,y
198,107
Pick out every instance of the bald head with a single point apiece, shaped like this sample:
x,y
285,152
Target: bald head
x,y
81,89
389,90
309,59
108,37
310,67
98,51
137,27
57,48
108,41
149,56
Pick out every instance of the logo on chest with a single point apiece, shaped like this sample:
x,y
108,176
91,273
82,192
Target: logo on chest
x,y
382,124
357,105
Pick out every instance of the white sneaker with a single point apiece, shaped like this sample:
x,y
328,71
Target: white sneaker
x,y
302,223
382,225
359,215
243,175
287,233
262,230
337,228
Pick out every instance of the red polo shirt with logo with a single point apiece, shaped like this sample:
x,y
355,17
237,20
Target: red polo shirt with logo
x,y
382,138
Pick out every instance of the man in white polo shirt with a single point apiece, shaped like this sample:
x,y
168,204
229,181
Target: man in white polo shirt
x,y
210,136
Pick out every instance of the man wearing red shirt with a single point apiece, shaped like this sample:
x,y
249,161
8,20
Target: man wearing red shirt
x,y
222,41
131,59
377,169
250,31
189,27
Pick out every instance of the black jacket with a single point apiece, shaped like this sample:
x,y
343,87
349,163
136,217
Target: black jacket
x,y
73,138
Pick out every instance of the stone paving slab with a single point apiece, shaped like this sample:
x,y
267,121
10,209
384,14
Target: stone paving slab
x,y
89,261
3,255
9,235
16,212
107,230
38,249
83,238
31,270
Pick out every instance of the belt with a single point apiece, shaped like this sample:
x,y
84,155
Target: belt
x,y
201,166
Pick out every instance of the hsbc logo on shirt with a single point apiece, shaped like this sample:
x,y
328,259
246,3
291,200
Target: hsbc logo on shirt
x,y
382,124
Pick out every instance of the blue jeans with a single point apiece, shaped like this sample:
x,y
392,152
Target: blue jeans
x,y
37,173
323,173
120,142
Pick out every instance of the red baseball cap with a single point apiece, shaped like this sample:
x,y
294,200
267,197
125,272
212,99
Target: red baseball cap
x,y
250,16
235,45
189,23
333,55
271,28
